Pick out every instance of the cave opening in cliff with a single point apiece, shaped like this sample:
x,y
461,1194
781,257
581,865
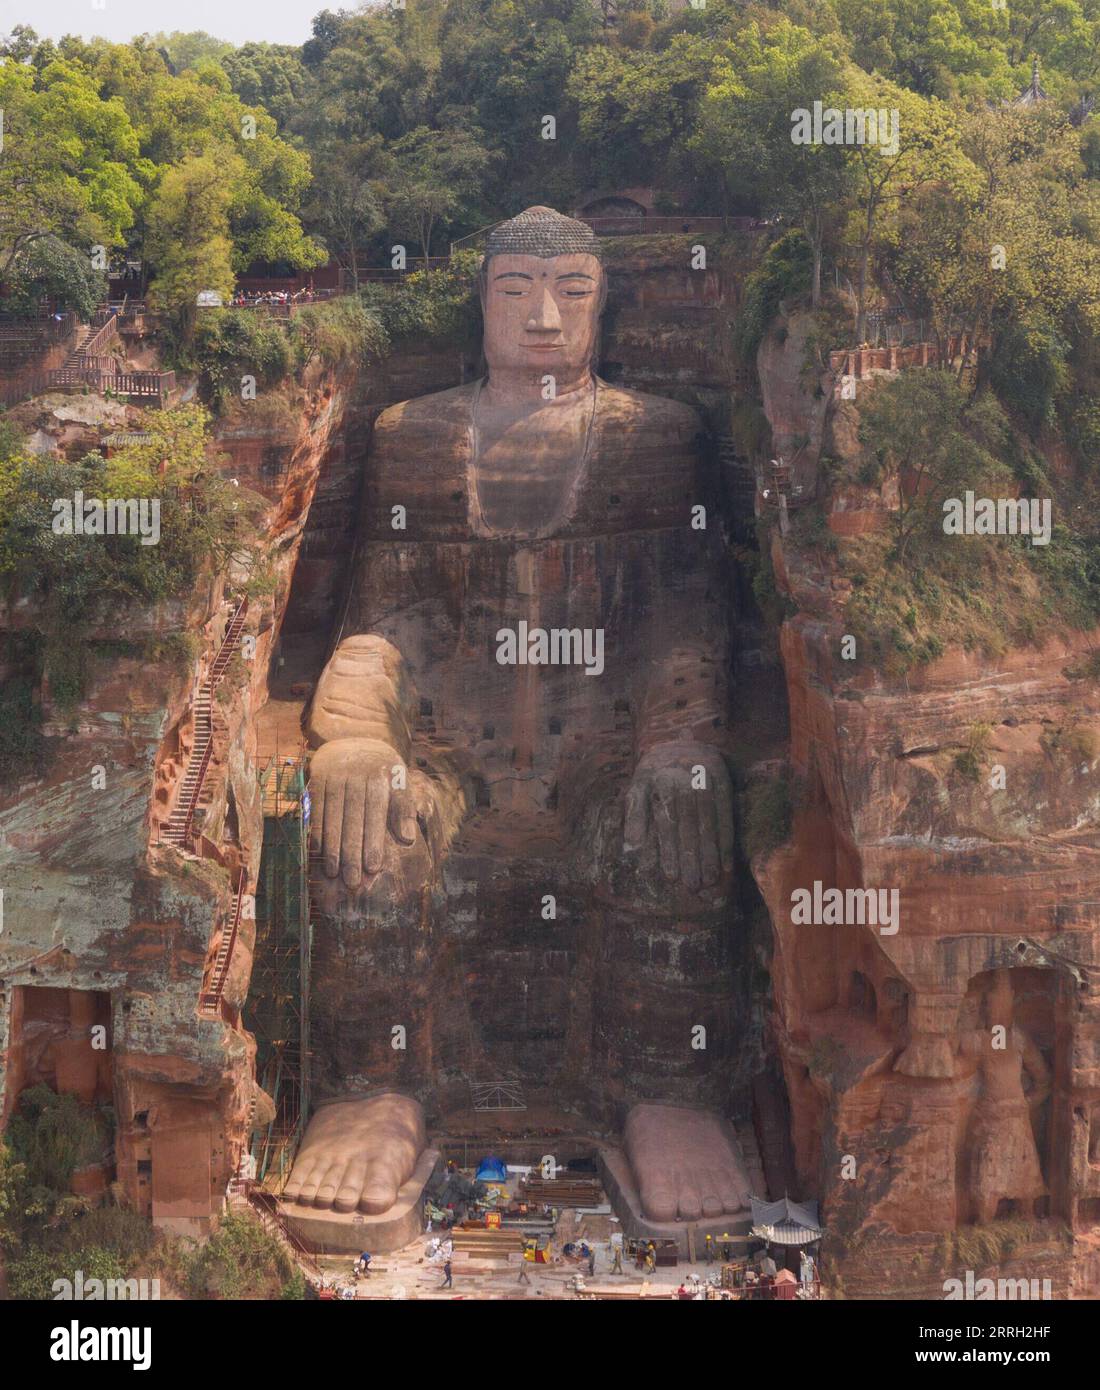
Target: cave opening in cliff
x,y
60,1038
59,1044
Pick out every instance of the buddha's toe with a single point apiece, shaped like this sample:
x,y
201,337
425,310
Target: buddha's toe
x,y
331,1178
660,1199
690,1199
351,1188
709,1192
730,1191
301,1174
379,1191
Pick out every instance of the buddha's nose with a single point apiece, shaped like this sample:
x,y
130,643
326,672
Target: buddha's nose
x,y
544,314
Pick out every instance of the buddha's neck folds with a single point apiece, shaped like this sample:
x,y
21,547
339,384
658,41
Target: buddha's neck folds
x,y
512,386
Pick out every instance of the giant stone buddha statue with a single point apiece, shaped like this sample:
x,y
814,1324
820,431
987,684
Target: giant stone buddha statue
x,y
517,784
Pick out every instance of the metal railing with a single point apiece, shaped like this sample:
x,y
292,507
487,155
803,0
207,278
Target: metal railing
x,y
210,999
267,1209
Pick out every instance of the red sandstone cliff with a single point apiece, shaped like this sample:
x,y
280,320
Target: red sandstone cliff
x,y
931,1153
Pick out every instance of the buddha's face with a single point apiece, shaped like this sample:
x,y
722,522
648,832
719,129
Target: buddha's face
x,y
542,314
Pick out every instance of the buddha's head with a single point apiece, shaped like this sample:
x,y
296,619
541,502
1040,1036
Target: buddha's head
x,y
542,293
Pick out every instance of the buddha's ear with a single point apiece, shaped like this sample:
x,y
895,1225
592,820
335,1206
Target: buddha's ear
x,y
603,292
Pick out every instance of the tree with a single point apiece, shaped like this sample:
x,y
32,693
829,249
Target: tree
x,y
346,206
187,235
926,149
70,165
187,50
269,75
934,47
1006,253
636,110
431,175
49,269
923,429
20,44
745,132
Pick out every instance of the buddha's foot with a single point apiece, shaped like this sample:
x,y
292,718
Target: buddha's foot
x,y
356,1154
685,1165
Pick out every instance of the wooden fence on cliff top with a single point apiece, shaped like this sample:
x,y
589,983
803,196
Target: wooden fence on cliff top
x,y
149,387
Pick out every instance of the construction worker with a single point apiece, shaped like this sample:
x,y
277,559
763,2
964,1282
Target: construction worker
x,y
617,1253
362,1264
447,1281
708,1249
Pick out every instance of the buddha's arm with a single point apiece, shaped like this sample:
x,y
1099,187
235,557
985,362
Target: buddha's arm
x,y
679,806
1037,1070
685,697
364,693
362,787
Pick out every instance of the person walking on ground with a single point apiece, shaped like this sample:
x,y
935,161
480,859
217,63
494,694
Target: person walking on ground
x,y
447,1281
617,1260
591,1263
524,1276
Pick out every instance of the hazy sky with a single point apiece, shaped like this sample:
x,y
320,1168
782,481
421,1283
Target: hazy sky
x,y
277,21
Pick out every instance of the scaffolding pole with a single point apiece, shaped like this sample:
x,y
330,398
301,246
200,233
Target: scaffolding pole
x,y
278,1002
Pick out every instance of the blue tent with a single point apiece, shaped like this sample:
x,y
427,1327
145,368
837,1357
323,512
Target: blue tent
x,y
491,1170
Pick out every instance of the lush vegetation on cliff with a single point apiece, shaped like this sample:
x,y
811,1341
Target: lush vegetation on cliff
x,y
79,586
48,1232
979,216
233,347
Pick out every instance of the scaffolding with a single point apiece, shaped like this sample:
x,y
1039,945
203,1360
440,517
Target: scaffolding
x,y
278,1006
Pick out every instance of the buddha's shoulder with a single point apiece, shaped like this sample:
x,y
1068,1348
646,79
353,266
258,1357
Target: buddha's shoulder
x,y
638,410
449,411
442,414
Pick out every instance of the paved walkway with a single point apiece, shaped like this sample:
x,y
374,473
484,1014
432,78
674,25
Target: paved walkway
x,y
407,1274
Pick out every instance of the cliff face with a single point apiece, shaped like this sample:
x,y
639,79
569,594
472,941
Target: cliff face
x,y
969,788
111,931
109,924
585,1006
942,1068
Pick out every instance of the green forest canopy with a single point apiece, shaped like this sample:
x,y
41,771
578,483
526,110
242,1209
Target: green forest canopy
x,y
423,123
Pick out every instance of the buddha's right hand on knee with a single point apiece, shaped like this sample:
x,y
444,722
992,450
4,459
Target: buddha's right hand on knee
x,y
359,793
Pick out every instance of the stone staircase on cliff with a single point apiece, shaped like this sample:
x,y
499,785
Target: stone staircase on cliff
x,y
267,1211
177,830
739,477
210,1000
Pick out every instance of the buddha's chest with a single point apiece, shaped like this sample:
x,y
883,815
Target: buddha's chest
x,y
526,469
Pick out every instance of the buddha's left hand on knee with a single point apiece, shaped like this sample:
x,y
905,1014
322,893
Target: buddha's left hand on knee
x,y
679,814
